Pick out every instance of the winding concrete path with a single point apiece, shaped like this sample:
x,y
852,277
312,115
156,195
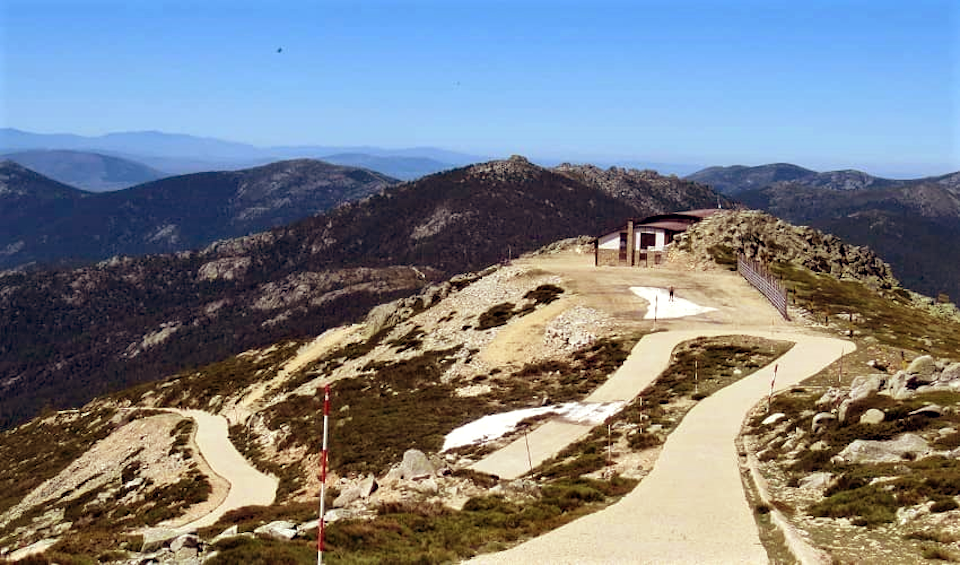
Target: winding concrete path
x,y
691,508
248,486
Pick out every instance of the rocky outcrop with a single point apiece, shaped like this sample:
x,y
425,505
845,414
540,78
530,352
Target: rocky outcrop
x,y
765,238
644,190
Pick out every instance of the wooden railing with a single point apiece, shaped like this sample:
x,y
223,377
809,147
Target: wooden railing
x,y
758,275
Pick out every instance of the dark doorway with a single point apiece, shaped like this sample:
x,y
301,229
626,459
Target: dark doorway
x,y
623,247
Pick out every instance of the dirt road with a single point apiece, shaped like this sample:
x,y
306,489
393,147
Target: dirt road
x,y
691,508
248,486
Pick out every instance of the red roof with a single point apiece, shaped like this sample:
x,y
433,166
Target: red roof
x,y
667,225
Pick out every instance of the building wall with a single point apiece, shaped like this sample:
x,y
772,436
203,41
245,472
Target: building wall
x,y
610,241
661,238
610,257
608,247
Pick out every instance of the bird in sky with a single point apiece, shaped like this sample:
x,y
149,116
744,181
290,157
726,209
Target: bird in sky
x,y
279,49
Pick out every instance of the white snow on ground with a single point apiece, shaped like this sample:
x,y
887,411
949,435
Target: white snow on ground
x,y
662,308
493,426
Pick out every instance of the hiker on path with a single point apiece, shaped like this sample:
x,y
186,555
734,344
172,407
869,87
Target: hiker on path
x,y
671,294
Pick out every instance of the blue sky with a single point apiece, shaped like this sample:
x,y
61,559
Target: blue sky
x,y
873,84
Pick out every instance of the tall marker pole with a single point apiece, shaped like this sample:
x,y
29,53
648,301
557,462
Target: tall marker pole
x,y
696,376
772,381
656,305
323,473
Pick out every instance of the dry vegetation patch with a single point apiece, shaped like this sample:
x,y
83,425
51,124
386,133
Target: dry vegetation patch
x,y
697,369
902,511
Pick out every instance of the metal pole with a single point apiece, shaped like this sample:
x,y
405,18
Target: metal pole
x,y
609,446
772,381
526,441
323,473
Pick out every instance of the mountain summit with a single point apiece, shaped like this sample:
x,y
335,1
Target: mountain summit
x,y
171,214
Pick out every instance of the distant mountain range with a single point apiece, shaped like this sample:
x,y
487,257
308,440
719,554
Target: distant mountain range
x,y
913,224
182,154
738,178
84,170
72,334
44,221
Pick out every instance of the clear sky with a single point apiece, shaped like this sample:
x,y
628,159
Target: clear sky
x,y
871,84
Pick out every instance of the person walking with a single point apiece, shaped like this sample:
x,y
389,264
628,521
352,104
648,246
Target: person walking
x,y
671,294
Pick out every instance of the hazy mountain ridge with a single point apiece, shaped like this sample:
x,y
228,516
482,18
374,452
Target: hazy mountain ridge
x,y
291,281
175,213
403,168
85,170
737,178
183,154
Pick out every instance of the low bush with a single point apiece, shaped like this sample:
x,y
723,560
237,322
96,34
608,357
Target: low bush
x,y
496,316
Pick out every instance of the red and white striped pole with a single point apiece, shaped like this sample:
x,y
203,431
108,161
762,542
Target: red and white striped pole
x,y
323,472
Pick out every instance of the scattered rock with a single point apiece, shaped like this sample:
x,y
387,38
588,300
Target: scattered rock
x,y
416,465
428,486
864,386
820,421
872,416
347,497
228,533
339,514
307,526
891,451
832,397
931,410
32,549
524,486
368,486
909,514
924,367
819,446
187,556
773,419
186,540
392,477
155,538
950,374
816,481
278,530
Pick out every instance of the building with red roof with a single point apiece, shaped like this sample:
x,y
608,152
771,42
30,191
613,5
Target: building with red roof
x,y
643,242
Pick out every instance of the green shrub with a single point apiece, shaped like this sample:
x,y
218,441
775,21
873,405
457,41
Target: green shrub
x,y
496,316
544,294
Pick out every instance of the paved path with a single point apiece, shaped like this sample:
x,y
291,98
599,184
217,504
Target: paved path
x,y
248,486
691,507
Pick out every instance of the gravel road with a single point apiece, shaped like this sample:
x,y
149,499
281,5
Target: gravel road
x,y
691,508
248,486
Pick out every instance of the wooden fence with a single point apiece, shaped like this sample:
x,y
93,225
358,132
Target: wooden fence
x,y
758,275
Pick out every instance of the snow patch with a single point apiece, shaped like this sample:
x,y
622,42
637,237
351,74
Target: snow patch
x,y
662,307
493,426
